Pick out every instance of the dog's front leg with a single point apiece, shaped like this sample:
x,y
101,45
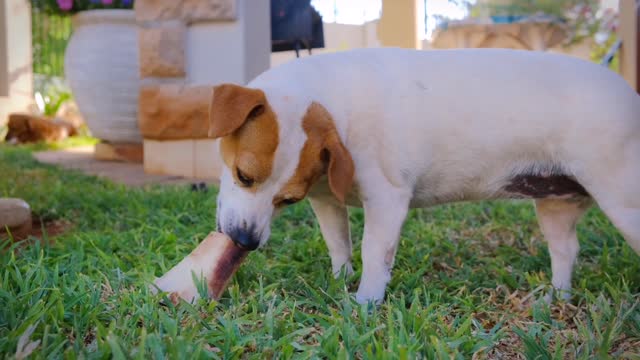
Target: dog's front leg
x,y
384,214
334,224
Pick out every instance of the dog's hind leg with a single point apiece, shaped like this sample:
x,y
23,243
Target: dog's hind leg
x,y
627,221
334,225
558,219
617,192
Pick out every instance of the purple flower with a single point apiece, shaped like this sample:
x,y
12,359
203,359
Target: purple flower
x,y
65,5
127,2
107,2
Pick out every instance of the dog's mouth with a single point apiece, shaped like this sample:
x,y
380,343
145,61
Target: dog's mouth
x,y
246,233
244,238
238,240
241,239
244,247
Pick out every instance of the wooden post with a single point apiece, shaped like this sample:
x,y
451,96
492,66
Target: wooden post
x,y
399,24
629,32
637,48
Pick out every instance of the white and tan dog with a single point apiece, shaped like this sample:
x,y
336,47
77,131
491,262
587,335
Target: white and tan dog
x,y
392,129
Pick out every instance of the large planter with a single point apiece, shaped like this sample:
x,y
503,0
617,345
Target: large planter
x,y
101,67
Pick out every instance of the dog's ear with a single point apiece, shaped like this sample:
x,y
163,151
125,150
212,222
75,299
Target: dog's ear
x,y
231,107
320,128
340,170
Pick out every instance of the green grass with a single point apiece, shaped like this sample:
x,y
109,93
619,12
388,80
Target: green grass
x,y
465,284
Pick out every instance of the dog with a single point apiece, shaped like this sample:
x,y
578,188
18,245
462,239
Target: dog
x,y
392,129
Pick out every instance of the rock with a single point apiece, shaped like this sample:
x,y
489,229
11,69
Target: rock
x,y
26,128
174,112
33,109
162,51
70,113
72,130
15,214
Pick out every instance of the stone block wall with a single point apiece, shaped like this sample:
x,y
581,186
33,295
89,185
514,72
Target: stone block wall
x,y
187,47
527,35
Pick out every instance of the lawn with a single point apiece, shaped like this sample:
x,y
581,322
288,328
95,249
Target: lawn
x,y
466,282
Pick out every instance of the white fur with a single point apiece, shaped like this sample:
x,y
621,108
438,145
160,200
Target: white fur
x,y
430,127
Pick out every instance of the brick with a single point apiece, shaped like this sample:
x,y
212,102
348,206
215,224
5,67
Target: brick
x,y
169,157
208,162
162,51
208,10
124,152
185,10
157,10
172,112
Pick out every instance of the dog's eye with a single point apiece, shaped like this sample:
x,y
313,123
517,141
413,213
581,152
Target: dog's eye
x,y
288,201
244,179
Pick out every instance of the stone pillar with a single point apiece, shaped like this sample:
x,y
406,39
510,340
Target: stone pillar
x,y
629,35
16,76
399,25
186,48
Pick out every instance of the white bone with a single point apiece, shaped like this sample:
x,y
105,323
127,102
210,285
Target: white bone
x,y
213,263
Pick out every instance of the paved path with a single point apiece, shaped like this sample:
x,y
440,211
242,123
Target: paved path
x,y
81,158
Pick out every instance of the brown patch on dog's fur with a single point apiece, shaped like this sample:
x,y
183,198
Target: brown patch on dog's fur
x,y
540,187
322,152
248,127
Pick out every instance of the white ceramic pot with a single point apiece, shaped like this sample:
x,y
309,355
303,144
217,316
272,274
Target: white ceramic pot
x,y
101,67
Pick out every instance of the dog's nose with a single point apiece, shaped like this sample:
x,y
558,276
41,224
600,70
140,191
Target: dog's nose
x,y
245,239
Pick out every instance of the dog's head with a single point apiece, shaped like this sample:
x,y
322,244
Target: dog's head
x,y
273,153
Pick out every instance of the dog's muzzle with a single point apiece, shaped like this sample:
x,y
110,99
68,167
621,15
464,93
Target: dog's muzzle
x,y
246,239
244,220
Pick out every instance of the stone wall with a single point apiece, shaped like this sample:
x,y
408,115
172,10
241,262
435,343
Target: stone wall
x,y
162,46
526,35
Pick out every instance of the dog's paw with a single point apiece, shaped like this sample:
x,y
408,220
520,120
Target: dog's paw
x,y
556,295
371,307
365,297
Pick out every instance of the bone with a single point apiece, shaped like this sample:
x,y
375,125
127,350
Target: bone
x,y
214,262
